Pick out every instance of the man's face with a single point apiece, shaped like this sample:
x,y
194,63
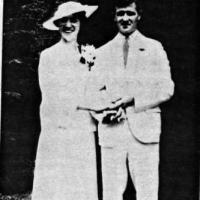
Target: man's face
x,y
69,28
126,19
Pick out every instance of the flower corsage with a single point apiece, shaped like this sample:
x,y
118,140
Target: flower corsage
x,y
88,55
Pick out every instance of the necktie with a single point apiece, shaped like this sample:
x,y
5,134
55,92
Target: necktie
x,y
125,50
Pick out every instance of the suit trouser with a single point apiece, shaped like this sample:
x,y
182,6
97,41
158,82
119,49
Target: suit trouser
x,y
143,161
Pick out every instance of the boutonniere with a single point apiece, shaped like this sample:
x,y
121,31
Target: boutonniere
x,y
87,55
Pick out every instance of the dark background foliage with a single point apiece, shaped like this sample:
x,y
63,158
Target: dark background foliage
x,y
174,23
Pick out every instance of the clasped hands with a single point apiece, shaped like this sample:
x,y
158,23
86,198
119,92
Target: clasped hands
x,y
114,111
109,112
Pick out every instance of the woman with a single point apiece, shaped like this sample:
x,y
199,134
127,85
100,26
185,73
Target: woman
x,y
65,163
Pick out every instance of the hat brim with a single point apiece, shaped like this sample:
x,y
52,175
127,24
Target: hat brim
x,y
49,24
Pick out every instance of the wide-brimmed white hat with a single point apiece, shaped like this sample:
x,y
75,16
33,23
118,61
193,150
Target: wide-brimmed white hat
x,y
67,9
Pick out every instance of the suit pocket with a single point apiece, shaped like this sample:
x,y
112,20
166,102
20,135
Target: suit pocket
x,y
145,126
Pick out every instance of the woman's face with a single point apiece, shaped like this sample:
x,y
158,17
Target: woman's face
x,y
69,28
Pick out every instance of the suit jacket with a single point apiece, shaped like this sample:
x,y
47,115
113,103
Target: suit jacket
x,y
146,77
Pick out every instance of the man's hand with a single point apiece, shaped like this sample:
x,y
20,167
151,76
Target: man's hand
x,y
122,103
113,116
119,116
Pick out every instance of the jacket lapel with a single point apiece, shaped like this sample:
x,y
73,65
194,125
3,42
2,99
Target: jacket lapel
x,y
137,49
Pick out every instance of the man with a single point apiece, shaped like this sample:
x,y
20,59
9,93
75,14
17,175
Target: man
x,y
132,79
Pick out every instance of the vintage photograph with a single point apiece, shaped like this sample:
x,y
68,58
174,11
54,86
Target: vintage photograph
x,y
99,100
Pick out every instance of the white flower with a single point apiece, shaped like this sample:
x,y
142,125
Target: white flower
x,y
88,55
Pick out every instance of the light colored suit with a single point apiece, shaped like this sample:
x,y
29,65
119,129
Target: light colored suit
x,y
147,78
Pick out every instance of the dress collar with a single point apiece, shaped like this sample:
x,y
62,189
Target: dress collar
x,y
68,46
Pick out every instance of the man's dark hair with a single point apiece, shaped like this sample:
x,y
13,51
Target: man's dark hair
x,y
125,3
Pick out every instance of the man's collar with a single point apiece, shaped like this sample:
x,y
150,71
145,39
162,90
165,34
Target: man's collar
x,y
131,36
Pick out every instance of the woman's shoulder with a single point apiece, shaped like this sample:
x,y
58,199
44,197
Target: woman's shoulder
x,y
48,52
48,58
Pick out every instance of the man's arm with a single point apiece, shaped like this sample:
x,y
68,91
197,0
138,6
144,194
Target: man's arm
x,y
156,86
151,87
